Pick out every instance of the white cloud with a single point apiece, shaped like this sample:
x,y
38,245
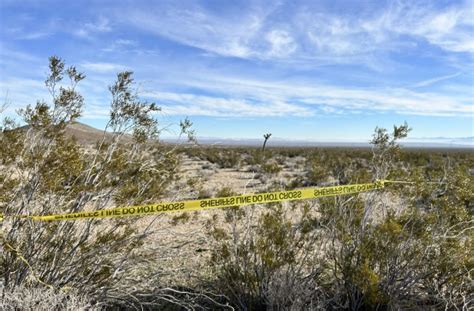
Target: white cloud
x,y
311,34
233,97
451,30
448,28
261,98
103,67
35,35
197,28
190,104
435,80
281,42
102,25
125,42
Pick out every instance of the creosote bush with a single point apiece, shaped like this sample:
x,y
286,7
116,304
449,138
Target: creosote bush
x,y
259,265
44,171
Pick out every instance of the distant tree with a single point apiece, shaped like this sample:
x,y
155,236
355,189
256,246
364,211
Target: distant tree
x,y
265,137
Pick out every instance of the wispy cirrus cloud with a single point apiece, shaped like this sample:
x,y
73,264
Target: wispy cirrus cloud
x,y
431,81
235,98
242,98
101,25
312,34
193,26
281,42
101,67
216,106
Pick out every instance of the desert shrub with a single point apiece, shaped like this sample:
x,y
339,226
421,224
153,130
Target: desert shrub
x,y
338,166
292,152
318,172
204,193
385,257
258,265
270,168
224,158
180,218
256,156
233,214
402,261
46,172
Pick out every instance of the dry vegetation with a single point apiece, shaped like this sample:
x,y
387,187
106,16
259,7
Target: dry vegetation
x,y
406,247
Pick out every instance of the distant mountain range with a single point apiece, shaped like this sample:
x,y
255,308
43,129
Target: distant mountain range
x,y
468,141
458,143
86,134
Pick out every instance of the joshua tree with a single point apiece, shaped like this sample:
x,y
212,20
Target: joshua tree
x,y
266,137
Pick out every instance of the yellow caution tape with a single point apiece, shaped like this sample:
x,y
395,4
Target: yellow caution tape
x,y
193,205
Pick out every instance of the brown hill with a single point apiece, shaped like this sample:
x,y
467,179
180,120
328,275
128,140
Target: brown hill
x,y
85,134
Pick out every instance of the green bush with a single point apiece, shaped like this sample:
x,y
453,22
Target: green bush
x,y
258,265
44,171
224,158
271,168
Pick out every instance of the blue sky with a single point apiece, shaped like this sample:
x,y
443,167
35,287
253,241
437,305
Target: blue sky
x,y
316,70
